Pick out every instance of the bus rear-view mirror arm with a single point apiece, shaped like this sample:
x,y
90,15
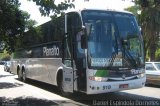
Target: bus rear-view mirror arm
x,y
84,41
88,27
87,31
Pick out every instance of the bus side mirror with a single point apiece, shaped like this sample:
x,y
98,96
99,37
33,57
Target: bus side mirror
x,y
87,31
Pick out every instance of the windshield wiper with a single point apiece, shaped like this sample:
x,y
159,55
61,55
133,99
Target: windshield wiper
x,y
129,58
111,61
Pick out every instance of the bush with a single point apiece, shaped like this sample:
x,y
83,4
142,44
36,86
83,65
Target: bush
x,y
5,56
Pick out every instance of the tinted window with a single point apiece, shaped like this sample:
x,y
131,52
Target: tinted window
x,y
47,32
74,26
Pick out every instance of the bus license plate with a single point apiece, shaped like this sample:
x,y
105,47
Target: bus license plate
x,y
123,86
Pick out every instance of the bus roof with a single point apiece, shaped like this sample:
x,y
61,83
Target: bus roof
x,y
109,10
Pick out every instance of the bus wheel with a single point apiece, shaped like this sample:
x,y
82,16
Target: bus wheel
x,y
23,76
19,75
60,85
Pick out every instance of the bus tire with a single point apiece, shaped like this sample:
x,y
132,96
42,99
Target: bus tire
x,y
19,73
24,75
60,84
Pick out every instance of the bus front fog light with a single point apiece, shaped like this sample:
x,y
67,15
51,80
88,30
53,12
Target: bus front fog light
x,y
140,75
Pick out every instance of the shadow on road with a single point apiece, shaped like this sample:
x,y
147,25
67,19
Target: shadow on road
x,y
117,99
45,86
108,97
23,101
1,76
31,101
152,85
5,85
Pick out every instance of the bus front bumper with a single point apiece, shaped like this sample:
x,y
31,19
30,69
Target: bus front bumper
x,y
95,87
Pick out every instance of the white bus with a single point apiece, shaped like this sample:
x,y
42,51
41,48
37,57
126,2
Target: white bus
x,y
90,51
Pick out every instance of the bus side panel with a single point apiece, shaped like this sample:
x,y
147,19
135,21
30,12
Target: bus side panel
x,y
43,69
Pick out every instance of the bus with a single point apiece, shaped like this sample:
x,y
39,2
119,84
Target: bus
x,y
90,51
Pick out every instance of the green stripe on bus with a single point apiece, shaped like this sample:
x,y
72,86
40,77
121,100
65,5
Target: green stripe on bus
x,y
101,73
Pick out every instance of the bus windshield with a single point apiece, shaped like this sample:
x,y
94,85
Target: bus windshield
x,y
105,47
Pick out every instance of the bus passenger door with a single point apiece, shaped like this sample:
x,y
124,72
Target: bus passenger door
x,y
67,59
67,76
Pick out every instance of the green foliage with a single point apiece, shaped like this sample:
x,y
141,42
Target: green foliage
x,y
134,9
49,6
5,56
158,54
149,20
29,24
13,22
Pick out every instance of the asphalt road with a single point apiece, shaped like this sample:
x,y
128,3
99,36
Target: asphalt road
x,y
16,93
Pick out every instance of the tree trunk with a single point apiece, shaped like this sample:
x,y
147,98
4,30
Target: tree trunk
x,y
152,51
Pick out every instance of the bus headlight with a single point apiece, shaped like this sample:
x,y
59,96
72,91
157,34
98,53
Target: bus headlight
x,y
101,79
140,75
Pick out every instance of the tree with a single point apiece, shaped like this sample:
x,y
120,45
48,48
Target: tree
x,y
50,6
13,22
28,23
149,20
